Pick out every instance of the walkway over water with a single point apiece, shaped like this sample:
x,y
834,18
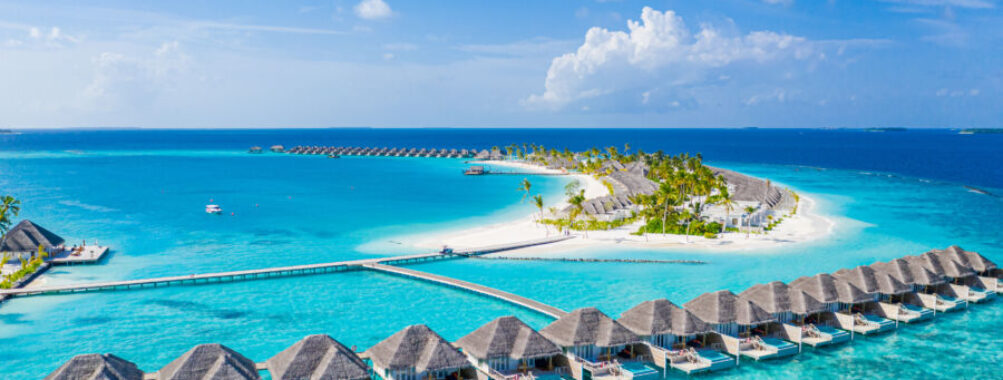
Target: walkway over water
x,y
481,289
275,272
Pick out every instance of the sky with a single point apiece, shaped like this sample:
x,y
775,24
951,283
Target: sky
x,y
515,63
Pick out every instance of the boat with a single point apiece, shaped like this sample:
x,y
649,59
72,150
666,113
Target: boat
x,y
213,209
333,156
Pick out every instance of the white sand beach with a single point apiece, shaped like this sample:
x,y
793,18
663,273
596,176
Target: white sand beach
x,y
806,226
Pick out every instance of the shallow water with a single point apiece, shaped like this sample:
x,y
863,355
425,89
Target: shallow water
x,y
146,201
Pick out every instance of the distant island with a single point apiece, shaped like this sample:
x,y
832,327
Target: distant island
x,y
6,132
893,129
981,131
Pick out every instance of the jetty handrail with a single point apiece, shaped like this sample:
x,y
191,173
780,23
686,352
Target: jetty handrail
x,y
481,289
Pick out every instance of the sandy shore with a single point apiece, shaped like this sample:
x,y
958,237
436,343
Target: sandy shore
x,y
807,225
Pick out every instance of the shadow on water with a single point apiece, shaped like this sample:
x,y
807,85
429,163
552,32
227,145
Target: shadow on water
x,y
13,319
189,306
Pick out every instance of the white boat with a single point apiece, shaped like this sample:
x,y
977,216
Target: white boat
x,y
213,209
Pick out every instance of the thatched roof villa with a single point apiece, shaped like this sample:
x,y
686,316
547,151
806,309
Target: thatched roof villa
x,y
506,345
26,236
726,313
416,352
662,323
317,357
209,361
96,367
589,335
773,297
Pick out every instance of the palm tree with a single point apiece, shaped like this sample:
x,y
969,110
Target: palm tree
x,y
687,217
9,208
728,204
538,200
749,210
577,208
525,186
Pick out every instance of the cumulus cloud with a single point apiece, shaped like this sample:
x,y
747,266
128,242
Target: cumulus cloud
x,y
53,37
657,51
373,10
119,78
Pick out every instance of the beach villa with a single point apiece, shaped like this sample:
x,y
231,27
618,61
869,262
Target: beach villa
x,y
508,349
417,353
666,329
23,240
317,357
594,343
742,327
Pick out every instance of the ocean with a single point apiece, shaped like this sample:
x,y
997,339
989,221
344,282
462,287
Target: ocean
x,y
143,191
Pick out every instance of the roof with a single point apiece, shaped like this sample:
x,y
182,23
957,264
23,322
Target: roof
x,y
27,236
507,337
723,306
317,357
897,268
588,326
862,277
209,361
96,367
661,316
418,347
803,303
973,260
932,262
774,297
821,287
851,294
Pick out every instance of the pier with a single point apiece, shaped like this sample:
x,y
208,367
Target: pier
x,y
382,152
274,272
480,289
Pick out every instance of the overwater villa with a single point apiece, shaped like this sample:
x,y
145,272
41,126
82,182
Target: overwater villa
x,y
890,293
317,357
209,361
96,366
923,282
981,282
667,328
743,327
779,300
955,274
23,240
508,349
840,298
416,353
808,315
593,342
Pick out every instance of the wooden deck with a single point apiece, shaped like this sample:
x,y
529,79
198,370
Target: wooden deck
x,y
267,273
480,289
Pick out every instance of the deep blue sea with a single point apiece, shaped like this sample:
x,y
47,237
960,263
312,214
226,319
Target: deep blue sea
x,y
143,191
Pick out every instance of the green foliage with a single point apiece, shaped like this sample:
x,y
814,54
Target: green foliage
x,y
697,228
27,268
710,235
9,208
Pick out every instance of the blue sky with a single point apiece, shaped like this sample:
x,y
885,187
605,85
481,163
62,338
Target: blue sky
x,y
397,63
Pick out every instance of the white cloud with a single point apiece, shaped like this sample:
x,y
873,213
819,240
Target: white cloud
x,y
373,10
657,51
121,79
54,37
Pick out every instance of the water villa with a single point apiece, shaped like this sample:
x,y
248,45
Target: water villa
x,y
668,330
922,281
743,327
209,361
417,352
791,307
592,341
507,349
890,293
96,366
808,313
980,287
23,240
317,357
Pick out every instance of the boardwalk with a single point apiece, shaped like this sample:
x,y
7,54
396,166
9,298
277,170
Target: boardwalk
x,y
480,289
266,273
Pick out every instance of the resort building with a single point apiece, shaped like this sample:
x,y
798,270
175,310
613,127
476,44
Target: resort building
x,y
956,274
890,293
317,357
209,361
760,336
23,240
667,328
416,353
810,314
923,283
507,347
982,282
592,340
96,366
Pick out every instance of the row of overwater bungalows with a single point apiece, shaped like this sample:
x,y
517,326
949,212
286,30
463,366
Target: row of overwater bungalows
x,y
711,332
384,152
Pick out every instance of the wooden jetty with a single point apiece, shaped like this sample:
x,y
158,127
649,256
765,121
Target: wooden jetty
x,y
274,272
468,286
383,151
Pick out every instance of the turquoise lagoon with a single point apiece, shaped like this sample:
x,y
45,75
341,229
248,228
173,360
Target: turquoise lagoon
x,y
293,210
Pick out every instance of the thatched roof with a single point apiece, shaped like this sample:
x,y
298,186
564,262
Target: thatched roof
x,y
507,337
889,285
774,297
968,259
317,357
418,347
979,263
588,326
948,268
862,277
897,268
659,317
27,236
96,367
209,361
723,306
803,303
821,287
851,294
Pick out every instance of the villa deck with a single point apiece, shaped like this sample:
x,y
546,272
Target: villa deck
x,y
90,254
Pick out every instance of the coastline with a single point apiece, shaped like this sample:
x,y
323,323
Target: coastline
x,y
808,225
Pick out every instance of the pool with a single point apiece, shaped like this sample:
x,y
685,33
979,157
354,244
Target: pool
x,y
778,343
639,369
713,355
